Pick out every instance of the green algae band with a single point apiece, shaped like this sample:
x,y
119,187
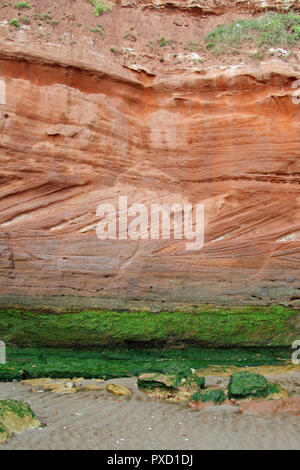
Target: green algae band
x,y
125,362
209,326
9,373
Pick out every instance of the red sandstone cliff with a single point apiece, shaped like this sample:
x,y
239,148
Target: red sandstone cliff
x,y
80,126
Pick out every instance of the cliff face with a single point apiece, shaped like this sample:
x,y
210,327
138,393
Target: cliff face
x,y
78,129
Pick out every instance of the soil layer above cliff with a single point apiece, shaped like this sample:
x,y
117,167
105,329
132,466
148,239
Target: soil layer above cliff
x,y
145,37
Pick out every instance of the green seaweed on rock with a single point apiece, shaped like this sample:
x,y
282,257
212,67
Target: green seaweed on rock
x,y
206,326
180,374
15,417
244,384
216,396
125,362
8,373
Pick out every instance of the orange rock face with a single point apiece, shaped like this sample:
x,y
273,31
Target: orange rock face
x,y
77,131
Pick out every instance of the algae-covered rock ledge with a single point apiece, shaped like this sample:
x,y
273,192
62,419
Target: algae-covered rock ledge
x,y
207,326
104,363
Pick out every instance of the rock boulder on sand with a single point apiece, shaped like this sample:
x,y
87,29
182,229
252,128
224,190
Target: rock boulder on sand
x,y
154,380
243,384
118,390
215,396
15,417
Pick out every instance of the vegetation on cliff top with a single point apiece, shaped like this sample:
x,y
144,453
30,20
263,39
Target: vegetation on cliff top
x,y
100,7
258,34
272,29
22,5
15,23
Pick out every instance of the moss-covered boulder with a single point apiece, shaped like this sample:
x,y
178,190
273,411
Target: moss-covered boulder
x,y
216,396
15,417
152,381
245,384
182,375
177,387
175,377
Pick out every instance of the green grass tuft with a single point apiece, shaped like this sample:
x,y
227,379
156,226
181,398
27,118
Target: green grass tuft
x,y
272,29
15,23
22,5
165,42
25,20
101,8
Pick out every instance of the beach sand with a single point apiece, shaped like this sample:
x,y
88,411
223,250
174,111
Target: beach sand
x,y
99,420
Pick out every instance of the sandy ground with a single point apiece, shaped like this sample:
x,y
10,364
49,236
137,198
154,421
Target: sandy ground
x,y
98,420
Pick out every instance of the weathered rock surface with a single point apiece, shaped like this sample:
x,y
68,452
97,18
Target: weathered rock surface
x,y
63,385
77,129
284,405
215,6
15,417
118,390
243,384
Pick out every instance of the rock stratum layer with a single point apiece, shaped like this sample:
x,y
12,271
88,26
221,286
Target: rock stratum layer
x,y
77,130
215,7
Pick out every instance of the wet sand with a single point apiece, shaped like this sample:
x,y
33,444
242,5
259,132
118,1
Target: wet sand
x,y
99,420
